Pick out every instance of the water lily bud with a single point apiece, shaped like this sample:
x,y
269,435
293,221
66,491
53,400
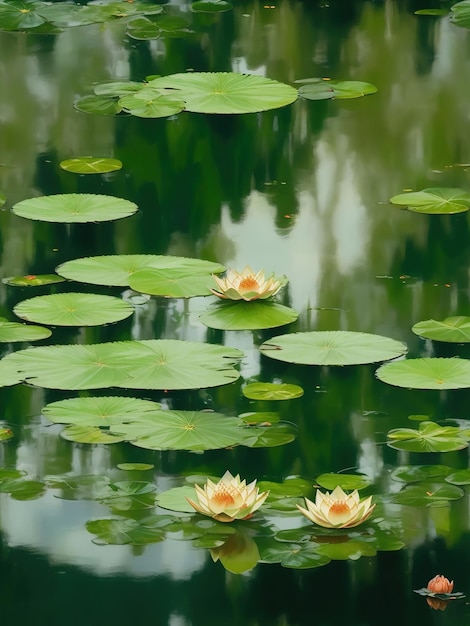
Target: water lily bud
x,y
440,584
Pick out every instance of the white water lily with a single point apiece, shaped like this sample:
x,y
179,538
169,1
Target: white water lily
x,y
246,285
229,499
337,509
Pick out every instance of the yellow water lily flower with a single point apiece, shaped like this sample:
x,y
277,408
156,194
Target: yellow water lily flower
x,y
246,285
337,509
229,499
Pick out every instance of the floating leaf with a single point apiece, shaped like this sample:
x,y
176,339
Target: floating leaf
x,y
430,437
427,373
152,364
97,105
8,374
451,329
89,434
427,494
272,391
135,467
176,499
418,473
210,6
460,14
227,92
153,103
294,555
143,28
460,477
33,280
260,417
349,550
254,315
85,487
117,88
13,331
326,89
121,531
74,309
332,348
75,207
18,15
270,436
172,282
116,270
442,201
349,482
99,411
183,430
437,12
91,165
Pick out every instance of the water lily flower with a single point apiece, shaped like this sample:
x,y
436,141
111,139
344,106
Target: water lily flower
x,y
440,584
337,509
229,499
246,285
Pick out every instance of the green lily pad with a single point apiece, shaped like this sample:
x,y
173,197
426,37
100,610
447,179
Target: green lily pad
x,y
418,473
75,207
451,329
9,375
210,6
427,495
349,550
436,12
430,437
143,28
13,331
84,487
119,531
272,391
293,555
91,165
460,14
135,467
270,436
172,282
183,430
460,477
176,499
227,92
89,434
22,488
116,270
349,482
332,348
152,364
260,417
99,411
153,103
427,373
434,201
74,309
18,15
254,315
320,89
32,280
117,88
97,105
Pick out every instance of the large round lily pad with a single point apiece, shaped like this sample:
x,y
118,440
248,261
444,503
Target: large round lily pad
x,y
252,315
227,92
99,411
427,373
74,309
75,207
451,329
13,331
152,364
336,347
116,270
438,200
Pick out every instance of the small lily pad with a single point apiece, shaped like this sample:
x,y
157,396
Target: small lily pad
x,y
152,103
210,6
435,12
74,309
427,373
135,467
91,165
320,89
33,280
451,329
99,411
272,391
430,437
89,434
427,495
332,348
75,207
348,482
13,331
418,473
254,315
98,105
176,499
460,477
434,201
143,28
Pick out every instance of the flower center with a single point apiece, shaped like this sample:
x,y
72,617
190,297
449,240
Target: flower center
x,y
249,284
339,508
223,498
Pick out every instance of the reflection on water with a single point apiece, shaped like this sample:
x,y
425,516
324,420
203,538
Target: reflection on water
x,y
301,191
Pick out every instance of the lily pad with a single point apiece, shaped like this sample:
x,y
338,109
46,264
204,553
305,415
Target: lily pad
x,y
23,489
183,430
143,28
460,14
74,309
176,499
270,436
436,12
172,282
135,467
75,207
210,6
32,280
13,331
91,165
89,434
418,473
254,315
120,531
153,103
451,329
427,373
8,375
272,391
152,364
99,411
227,92
97,105
332,348
320,89
460,477
434,201
430,437
18,15
293,555
349,482
117,88
427,495
116,270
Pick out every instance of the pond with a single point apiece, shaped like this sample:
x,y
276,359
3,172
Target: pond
x,y
351,371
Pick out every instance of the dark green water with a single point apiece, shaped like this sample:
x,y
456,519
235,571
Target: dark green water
x,y
301,191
